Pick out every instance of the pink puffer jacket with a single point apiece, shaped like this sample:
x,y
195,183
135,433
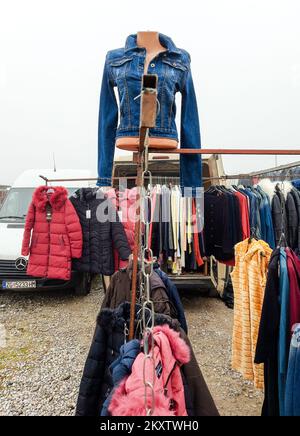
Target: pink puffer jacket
x,y
127,207
125,202
170,351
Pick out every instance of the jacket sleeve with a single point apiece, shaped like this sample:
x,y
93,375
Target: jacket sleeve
x,y
270,317
292,218
279,219
107,126
161,302
28,228
89,397
190,165
119,237
175,297
74,231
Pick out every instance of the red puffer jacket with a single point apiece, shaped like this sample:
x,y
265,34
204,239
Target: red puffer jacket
x,y
53,244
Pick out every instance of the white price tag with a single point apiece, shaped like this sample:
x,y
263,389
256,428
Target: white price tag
x,y
88,214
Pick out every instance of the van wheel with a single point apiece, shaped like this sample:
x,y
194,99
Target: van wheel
x,y
84,285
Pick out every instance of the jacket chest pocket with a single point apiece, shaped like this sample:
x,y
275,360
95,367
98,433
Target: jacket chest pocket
x,y
175,70
119,67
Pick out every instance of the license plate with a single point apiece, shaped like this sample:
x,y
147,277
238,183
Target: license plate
x,y
22,284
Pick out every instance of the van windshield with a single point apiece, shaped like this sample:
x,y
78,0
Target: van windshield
x,y
17,202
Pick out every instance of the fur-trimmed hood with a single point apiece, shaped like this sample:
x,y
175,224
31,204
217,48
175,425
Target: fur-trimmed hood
x,y
56,196
169,353
179,348
269,187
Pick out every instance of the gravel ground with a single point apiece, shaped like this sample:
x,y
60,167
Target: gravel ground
x,y
48,337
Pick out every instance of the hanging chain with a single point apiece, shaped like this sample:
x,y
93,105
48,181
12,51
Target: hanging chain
x,y
148,313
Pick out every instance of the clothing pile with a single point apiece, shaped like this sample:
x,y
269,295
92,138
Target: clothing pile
x,y
176,236
59,229
234,214
285,205
278,339
164,293
112,383
266,332
231,216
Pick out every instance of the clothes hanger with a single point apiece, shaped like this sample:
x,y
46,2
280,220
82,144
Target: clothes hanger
x,y
213,189
139,322
253,235
282,241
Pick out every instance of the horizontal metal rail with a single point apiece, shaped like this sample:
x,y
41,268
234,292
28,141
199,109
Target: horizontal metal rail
x,y
224,177
213,151
255,152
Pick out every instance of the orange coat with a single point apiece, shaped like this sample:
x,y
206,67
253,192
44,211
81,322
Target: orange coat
x,y
249,282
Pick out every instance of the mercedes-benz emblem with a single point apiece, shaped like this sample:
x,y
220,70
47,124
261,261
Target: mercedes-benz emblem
x,y
21,264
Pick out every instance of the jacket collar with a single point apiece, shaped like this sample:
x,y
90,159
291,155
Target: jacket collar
x,y
248,249
131,44
56,196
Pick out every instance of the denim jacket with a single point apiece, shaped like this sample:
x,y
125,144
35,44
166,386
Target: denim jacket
x,y
124,69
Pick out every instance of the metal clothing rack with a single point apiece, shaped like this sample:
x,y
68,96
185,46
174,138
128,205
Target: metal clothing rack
x,y
148,121
165,179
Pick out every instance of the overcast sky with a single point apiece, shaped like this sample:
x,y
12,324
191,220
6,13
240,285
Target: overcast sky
x,y
245,63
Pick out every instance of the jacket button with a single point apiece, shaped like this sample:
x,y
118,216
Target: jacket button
x,y
152,65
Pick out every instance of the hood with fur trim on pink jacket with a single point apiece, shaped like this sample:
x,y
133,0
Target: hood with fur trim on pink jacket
x,y
170,352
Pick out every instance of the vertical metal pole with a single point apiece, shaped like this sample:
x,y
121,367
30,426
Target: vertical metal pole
x,y
147,121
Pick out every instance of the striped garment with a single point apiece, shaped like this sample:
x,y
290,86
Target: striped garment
x,y
249,282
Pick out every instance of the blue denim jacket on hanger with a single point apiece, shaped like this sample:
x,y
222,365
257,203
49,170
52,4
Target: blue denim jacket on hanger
x,y
124,69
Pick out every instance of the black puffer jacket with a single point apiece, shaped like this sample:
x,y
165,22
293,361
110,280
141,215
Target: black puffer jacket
x,y
292,219
99,236
279,216
96,382
296,196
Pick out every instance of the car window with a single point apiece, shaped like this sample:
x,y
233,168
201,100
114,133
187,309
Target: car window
x,y
16,204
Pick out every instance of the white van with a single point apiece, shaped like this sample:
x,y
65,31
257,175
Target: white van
x,y
12,219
